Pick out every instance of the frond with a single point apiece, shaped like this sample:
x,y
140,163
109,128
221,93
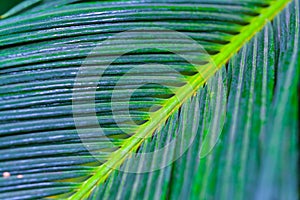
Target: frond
x,y
220,128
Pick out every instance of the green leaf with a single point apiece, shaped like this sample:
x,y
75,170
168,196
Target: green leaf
x,y
52,148
22,6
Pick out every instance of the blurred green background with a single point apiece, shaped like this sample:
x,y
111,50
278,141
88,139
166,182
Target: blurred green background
x,y
5,5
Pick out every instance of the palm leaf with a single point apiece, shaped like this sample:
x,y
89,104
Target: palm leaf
x,y
48,154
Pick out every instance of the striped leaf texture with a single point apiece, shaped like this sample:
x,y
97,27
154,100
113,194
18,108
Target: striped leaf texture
x,y
149,99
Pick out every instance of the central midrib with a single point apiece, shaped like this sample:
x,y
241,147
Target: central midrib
x,y
182,94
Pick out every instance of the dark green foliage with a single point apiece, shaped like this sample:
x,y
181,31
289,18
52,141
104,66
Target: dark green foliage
x,y
42,48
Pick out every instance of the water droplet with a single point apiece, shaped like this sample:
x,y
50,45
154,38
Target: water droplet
x,y
6,174
20,176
